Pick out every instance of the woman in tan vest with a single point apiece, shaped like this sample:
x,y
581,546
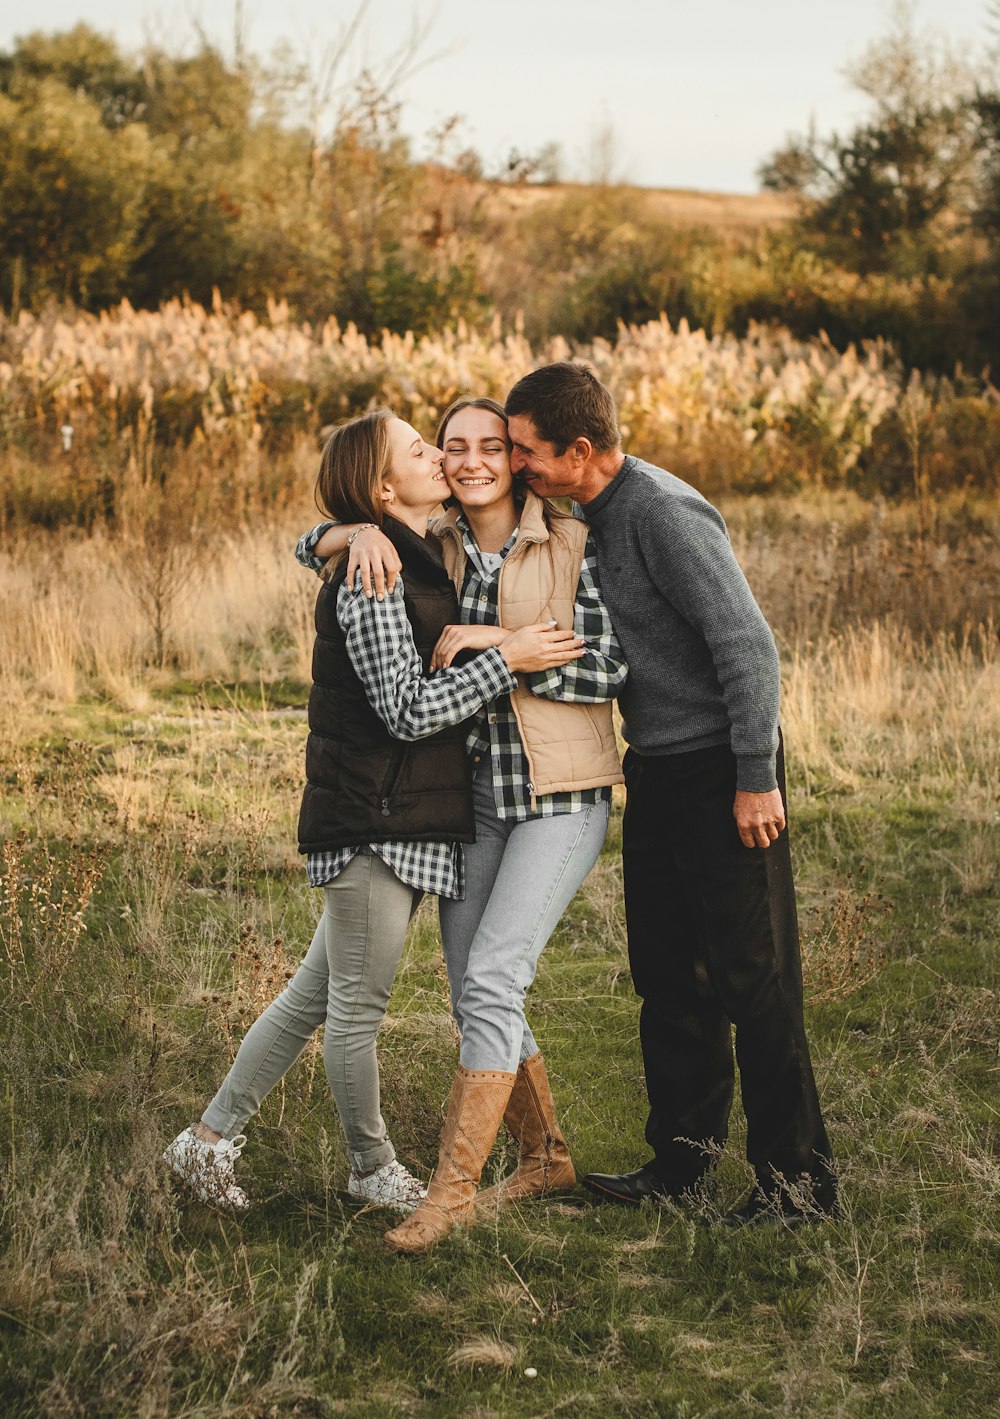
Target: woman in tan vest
x,y
544,758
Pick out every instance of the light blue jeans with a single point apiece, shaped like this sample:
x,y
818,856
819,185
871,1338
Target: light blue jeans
x,y
342,984
519,879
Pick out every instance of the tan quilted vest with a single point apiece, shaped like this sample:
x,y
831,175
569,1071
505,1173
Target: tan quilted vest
x,y
568,746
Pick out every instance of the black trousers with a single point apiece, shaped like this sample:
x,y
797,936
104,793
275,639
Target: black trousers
x,y
713,942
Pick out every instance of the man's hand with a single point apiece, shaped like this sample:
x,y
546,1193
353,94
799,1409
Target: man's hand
x,y
760,817
456,638
376,558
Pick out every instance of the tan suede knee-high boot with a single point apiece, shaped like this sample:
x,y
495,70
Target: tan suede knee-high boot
x,y
475,1112
544,1164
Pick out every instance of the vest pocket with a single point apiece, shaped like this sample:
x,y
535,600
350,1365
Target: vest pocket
x,y
596,725
391,781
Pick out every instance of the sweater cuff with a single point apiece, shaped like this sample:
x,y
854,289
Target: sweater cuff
x,y
756,773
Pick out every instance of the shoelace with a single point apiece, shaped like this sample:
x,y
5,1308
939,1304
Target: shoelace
x,y
402,1176
227,1150
394,1177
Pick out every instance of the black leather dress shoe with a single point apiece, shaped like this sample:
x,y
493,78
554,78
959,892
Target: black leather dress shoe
x,y
631,1188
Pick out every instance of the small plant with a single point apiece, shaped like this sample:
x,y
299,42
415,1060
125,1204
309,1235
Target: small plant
x,y
841,956
161,535
43,906
260,970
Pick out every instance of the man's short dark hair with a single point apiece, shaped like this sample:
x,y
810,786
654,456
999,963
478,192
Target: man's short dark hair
x,y
567,401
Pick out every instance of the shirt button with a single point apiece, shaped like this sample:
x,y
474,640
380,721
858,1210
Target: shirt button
x,y
493,719
477,758
484,598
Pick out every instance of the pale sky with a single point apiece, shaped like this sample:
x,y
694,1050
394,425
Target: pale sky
x,y
696,95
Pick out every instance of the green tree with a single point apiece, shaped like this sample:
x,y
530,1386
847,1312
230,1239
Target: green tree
x,y
793,168
213,200
585,261
893,194
988,114
396,256
71,197
85,62
162,174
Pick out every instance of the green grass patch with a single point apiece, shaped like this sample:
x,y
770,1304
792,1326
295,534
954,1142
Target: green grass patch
x,y
120,1298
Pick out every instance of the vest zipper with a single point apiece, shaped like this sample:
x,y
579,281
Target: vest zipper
x,y
517,551
392,778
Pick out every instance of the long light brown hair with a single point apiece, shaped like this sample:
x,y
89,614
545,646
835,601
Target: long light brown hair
x,y
353,467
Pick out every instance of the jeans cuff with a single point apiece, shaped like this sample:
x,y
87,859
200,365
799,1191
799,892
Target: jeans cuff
x,y
222,1121
372,1158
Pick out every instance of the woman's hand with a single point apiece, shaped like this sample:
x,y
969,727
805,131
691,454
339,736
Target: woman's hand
x,y
540,647
376,558
456,638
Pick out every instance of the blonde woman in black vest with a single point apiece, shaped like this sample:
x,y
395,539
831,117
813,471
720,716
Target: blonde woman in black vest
x,y
386,805
544,757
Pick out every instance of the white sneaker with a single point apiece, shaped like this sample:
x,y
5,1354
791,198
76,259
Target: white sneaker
x,y
388,1186
207,1168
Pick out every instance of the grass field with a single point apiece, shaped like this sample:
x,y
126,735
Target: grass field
x,y
683,207
151,901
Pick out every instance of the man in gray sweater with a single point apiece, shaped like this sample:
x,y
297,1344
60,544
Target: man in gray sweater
x,y
709,897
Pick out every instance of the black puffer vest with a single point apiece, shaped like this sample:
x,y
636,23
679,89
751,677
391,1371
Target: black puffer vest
x,y
362,785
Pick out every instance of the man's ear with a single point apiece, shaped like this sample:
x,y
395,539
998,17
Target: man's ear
x,y
582,450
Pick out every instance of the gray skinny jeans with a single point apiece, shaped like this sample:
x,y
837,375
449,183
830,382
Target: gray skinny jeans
x,y
343,983
519,879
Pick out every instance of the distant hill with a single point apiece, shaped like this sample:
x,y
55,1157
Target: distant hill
x,y
681,206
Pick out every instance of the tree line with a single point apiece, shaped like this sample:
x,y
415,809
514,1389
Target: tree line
x,y
147,176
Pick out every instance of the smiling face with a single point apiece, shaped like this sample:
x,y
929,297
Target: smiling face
x,y
415,483
540,464
477,458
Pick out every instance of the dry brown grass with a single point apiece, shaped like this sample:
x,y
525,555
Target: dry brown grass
x,y
483,1350
219,412
73,624
839,580
726,212
820,564
877,703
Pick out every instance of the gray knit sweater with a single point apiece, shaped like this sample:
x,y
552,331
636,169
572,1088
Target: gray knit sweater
x,y
703,668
